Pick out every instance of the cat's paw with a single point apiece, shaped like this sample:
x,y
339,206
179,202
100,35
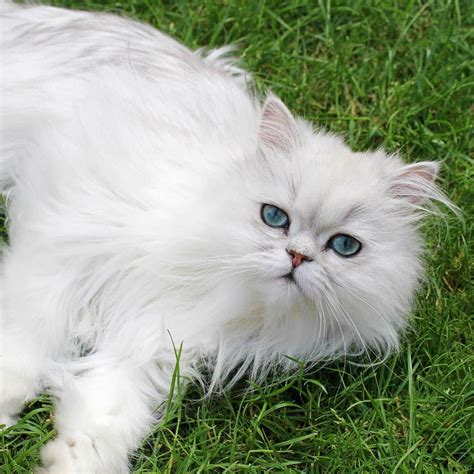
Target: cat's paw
x,y
6,421
15,390
70,454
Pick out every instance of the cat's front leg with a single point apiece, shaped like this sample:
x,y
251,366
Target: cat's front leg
x,y
32,331
101,416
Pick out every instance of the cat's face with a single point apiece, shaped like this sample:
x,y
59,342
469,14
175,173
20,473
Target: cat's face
x,y
326,235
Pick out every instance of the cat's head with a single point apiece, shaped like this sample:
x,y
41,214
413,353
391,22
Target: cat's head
x,y
326,238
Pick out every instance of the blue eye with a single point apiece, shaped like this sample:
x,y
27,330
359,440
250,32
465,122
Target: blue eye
x,y
344,245
274,216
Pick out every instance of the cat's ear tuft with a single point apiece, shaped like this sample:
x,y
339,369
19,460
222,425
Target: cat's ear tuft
x,y
277,129
415,183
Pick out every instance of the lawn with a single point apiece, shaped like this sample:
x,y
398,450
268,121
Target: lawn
x,y
385,72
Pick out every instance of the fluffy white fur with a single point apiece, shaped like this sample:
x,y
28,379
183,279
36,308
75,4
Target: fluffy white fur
x,y
134,171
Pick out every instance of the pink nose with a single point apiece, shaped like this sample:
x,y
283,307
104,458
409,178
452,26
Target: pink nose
x,y
297,258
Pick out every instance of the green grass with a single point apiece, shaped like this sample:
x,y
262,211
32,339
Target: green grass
x,y
387,72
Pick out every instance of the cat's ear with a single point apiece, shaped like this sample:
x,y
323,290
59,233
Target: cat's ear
x,y
277,129
415,183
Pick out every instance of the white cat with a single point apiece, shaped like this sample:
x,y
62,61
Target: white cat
x,y
154,204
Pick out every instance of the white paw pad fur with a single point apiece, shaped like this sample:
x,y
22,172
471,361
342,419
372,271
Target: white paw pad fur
x,y
72,453
6,421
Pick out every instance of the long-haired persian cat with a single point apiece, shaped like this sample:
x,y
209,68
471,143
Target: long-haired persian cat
x,y
154,202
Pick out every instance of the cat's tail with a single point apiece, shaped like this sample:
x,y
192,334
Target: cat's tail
x,y
224,60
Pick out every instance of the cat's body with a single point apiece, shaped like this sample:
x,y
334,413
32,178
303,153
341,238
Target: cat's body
x,y
136,171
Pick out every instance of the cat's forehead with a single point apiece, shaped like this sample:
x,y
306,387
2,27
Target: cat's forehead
x,y
330,183
334,179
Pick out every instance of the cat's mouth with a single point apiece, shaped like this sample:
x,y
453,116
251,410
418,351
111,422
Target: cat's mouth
x,y
290,279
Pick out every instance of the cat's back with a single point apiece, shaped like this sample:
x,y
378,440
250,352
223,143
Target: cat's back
x,y
96,78
43,49
106,116
41,42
